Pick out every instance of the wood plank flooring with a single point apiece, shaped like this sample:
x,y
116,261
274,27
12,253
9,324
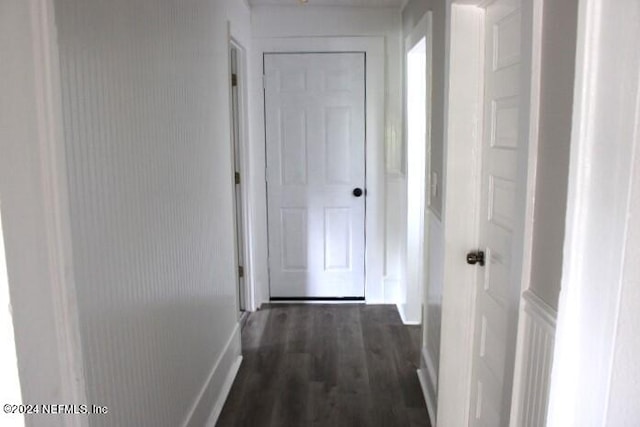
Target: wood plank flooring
x,y
327,365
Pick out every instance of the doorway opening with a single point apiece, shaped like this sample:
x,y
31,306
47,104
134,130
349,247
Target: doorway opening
x,y
418,146
237,73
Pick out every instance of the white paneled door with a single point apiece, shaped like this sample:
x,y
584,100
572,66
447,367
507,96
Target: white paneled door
x,y
502,209
315,141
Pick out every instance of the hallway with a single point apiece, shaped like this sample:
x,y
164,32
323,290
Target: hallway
x,y
327,365
473,165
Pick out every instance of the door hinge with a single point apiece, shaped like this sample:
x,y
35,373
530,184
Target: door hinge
x,y
240,271
237,177
234,80
264,81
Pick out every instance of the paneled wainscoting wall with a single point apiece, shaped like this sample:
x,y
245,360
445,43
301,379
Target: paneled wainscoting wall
x,y
533,362
145,101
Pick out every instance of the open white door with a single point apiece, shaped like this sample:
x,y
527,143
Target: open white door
x,y
315,137
502,208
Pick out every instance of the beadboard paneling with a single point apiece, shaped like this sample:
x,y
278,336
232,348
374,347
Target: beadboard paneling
x,y
146,122
533,374
432,306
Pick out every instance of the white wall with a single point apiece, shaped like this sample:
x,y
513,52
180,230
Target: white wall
x,y
27,218
595,377
145,90
10,386
556,107
310,21
432,309
623,406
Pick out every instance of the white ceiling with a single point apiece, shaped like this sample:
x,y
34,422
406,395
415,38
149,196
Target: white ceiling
x,y
359,3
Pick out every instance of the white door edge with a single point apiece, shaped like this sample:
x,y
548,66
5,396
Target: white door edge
x,y
534,119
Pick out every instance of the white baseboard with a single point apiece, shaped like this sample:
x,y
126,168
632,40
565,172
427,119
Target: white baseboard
x,y
403,316
428,399
429,383
226,388
218,384
431,369
391,290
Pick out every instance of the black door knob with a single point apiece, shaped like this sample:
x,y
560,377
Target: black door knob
x,y
357,192
475,257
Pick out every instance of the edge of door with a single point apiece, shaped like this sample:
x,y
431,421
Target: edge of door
x,y
535,29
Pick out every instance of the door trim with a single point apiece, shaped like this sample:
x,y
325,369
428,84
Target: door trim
x,y
244,160
411,309
44,178
374,50
464,93
594,376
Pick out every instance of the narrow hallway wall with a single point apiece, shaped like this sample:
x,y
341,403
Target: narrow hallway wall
x,y
145,89
556,108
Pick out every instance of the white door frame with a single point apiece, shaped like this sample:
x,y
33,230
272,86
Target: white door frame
x,y
595,377
374,144
35,211
243,158
411,308
464,59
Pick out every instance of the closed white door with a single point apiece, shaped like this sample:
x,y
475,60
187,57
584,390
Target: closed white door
x,y
315,137
502,209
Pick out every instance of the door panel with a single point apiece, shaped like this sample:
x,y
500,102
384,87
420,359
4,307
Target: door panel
x,y
337,239
315,122
294,244
338,135
293,141
504,152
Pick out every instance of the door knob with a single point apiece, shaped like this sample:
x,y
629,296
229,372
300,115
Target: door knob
x,y
475,257
357,192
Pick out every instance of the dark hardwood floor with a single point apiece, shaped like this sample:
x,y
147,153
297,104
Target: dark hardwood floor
x,y
327,365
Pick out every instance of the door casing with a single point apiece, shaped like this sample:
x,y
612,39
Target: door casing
x,y
237,58
315,189
374,148
242,161
417,258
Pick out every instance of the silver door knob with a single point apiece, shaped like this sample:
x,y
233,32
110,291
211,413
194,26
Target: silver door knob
x,y
475,257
